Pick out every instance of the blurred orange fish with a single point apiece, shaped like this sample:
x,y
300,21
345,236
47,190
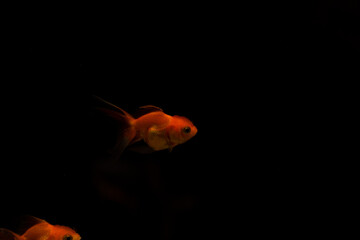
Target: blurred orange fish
x,y
41,230
158,130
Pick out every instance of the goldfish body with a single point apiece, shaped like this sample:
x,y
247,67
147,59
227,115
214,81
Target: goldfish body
x,y
158,129
41,230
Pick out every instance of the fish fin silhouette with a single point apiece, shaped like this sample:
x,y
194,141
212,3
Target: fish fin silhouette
x,y
113,106
154,108
125,131
125,134
6,234
145,110
120,117
124,138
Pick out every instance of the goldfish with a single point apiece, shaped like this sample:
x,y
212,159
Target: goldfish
x,y
157,129
41,230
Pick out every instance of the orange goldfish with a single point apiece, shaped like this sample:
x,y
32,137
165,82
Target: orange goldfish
x,y
41,230
157,129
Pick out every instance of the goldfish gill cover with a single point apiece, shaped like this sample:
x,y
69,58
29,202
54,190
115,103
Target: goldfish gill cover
x,y
261,85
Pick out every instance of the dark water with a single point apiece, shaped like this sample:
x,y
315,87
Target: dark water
x,y
263,89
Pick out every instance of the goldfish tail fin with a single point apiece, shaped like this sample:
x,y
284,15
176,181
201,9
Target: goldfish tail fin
x,y
6,234
124,139
118,109
126,130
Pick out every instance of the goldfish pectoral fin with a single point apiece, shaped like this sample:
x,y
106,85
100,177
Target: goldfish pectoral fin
x,y
169,143
171,147
145,110
8,235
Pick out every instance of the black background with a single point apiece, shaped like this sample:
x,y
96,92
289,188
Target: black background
x,y
264,84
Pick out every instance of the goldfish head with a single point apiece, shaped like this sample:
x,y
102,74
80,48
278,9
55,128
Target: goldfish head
x,y
182,130
177,131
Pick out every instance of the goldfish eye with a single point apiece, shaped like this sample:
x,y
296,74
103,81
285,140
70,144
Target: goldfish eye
x,y
186,129
67,237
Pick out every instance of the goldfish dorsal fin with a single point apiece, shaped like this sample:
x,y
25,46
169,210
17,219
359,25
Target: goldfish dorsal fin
x,y
8,235
27,222
155,108
145,110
